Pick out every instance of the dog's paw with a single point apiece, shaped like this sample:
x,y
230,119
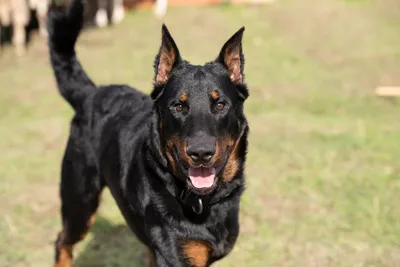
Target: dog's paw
x,y
118,14
101,18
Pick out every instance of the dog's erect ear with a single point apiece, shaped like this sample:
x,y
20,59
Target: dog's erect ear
x,y
168,56
231,56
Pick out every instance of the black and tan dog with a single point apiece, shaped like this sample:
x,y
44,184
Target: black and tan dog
x,y
173,160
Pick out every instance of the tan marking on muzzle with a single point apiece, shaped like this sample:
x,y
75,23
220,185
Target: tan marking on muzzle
x,y
232,164
179,143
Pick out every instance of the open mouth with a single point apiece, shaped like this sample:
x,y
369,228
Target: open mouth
x,y
202,177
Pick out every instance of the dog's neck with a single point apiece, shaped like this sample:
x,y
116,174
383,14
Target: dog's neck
x,y
198,207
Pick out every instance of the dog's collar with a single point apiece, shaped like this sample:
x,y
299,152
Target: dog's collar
x,y
196,203
200,205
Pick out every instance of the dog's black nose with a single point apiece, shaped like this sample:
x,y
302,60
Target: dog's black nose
x,y
201,153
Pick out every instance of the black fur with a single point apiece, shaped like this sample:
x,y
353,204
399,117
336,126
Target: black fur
x,y
120,138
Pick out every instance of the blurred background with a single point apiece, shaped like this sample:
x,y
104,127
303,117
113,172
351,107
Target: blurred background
x,y
323,171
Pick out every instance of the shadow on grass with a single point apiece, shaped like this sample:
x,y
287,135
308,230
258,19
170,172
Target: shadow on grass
x,y
111,245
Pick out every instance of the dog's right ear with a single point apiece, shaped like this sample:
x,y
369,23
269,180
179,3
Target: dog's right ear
x,y
167,58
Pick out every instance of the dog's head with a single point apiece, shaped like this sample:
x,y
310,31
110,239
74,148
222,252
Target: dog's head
x,y
200,109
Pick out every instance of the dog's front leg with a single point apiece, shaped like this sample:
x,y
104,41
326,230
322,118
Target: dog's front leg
x,y
189,253
171,247
164,247
193,254
161,261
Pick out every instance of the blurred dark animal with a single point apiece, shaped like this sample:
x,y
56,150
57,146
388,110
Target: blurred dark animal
x,y
173,161
17,13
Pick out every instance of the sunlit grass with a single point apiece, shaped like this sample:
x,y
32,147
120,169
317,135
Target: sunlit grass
x,y
323,177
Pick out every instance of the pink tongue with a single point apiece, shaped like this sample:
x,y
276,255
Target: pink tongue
x,y
202,177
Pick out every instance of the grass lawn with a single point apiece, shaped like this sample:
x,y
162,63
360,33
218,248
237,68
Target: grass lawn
x,y
323,172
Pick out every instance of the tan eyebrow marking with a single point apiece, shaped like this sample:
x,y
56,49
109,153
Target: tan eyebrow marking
x,y
183,97
214,95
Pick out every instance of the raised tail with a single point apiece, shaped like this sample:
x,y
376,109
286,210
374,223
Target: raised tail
x,y
64,27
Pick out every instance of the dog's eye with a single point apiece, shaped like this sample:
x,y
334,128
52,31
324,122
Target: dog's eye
x,y
220,105
179,107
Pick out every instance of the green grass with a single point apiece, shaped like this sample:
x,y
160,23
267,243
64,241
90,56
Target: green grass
x,y
323,173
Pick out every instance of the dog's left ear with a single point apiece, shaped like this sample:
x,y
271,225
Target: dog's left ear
x,y
231,56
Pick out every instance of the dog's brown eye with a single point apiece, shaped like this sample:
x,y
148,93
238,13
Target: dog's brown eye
x,y
220,105
179,107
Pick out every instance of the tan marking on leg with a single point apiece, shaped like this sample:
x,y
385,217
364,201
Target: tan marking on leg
x,y
196,252
150,258
65,257
90,223
64,253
